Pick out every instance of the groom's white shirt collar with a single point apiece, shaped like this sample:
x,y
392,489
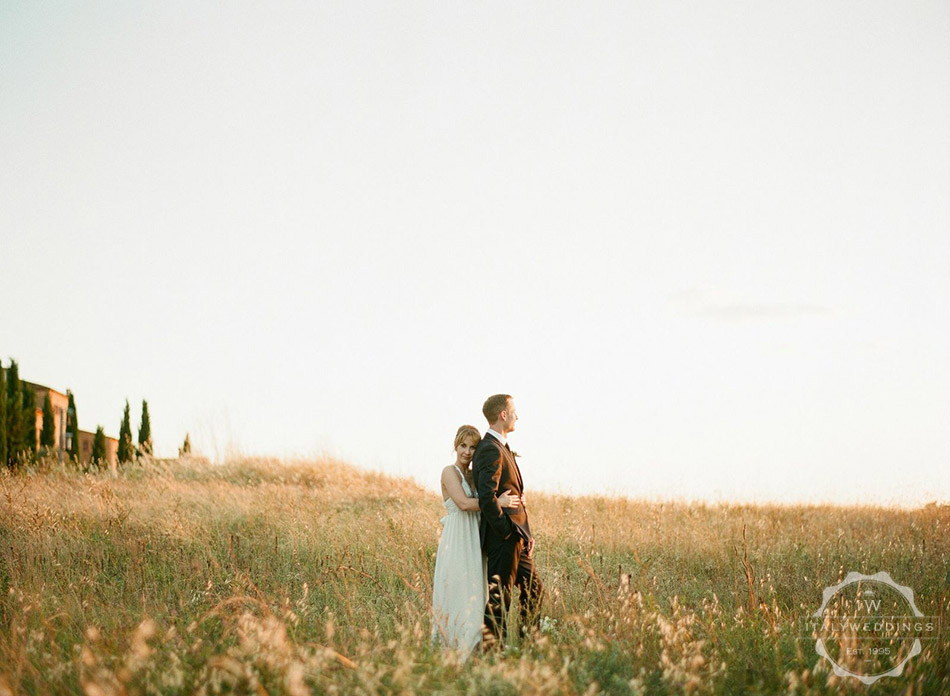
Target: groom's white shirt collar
x,y
498,436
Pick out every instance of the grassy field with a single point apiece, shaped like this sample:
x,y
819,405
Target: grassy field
x,y
264,577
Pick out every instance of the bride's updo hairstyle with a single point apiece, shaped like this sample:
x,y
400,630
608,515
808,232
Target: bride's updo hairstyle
x,y
466,432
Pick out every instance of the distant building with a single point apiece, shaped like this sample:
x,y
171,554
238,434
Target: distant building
x,y
60,403
85,447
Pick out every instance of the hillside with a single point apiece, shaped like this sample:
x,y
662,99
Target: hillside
x,y
261,576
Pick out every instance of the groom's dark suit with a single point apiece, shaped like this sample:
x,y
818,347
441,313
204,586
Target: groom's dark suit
x,y
505,534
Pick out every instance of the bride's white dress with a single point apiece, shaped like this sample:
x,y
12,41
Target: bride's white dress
x,y
460,587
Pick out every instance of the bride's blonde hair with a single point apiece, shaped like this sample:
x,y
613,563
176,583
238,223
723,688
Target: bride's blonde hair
x,y
466,432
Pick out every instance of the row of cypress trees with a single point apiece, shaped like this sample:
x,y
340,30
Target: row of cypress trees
x,y
17,420
126,451
18,425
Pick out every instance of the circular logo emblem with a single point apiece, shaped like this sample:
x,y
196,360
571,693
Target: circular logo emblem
x,y
868,627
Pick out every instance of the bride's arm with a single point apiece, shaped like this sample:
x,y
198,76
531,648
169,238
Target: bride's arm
x,y
452,486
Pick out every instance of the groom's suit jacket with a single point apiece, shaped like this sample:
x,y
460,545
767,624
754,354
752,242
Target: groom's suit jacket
x,y
496,471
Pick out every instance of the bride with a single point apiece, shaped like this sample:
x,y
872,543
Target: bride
x,y
460,586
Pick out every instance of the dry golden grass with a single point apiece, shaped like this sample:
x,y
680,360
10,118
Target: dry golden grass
x,y
305,577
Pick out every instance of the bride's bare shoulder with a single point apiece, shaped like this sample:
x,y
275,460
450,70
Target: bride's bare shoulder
x,y
449,471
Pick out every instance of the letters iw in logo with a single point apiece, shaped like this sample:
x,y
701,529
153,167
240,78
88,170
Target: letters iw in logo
x,y
868,627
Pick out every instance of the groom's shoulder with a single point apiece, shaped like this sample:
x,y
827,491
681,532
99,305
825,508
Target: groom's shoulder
x,y
488,440
487,443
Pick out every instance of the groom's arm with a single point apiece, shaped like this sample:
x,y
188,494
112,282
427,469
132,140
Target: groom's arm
x,y
487,466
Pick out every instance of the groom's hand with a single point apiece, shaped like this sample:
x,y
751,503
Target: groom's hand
x,y
529,552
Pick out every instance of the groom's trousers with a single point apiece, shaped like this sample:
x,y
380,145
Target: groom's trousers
x,y
508,566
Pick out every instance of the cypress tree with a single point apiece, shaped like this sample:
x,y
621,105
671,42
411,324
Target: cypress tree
x,y
72,428
3,415
29,420
48,434
98,457
126,450
14,414
145,431
185,448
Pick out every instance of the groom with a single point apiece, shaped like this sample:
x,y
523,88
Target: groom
x,y
505,532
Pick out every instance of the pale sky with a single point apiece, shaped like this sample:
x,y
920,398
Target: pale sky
x,y
706,245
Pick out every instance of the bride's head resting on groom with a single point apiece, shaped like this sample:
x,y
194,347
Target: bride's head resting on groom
x,y
467,434
466,440
499,411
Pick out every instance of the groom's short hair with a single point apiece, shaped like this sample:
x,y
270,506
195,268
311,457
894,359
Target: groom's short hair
x,y
494,405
